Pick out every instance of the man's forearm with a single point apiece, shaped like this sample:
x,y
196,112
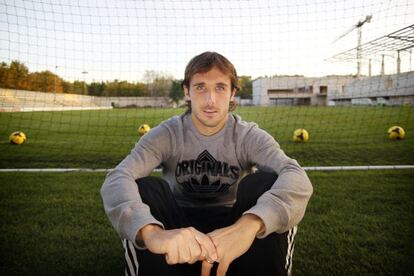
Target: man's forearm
x,y
253,222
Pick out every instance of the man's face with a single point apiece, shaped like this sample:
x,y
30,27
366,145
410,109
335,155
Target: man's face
x,y
210,94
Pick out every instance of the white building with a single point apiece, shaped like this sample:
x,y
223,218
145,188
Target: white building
x,y
334,90
396,89
297,90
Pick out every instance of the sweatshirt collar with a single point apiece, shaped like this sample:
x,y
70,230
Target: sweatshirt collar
x,y
189,123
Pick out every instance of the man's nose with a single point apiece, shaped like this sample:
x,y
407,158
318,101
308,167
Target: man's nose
x,y
210,97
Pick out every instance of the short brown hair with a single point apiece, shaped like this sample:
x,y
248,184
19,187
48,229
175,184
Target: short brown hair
x,y
205,62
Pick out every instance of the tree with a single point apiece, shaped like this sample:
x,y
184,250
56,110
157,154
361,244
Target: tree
x,y
67,87
80,87
118,88
158,83
176,91
44,81
96,88
3,74
16,76
246,90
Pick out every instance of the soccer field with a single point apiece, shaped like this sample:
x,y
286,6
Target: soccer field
x,y
100,139
357,223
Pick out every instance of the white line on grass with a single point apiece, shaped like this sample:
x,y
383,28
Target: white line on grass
x,y
329,168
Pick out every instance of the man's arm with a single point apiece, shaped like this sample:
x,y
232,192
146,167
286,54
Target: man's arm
x,y
120,194
284,204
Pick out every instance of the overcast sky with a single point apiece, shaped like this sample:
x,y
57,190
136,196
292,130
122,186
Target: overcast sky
x,y
111,39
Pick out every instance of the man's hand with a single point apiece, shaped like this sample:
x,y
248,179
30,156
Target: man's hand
x,y
183,245
233,241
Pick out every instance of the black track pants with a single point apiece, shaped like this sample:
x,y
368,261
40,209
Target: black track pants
x,y
269,256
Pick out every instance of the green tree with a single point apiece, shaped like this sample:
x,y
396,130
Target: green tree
x,y
118,88
96,88
246,90
176,91
67,87
80,87
4,67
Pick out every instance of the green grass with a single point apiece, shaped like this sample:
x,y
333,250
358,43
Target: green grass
x,y
357,223
100,139
54,224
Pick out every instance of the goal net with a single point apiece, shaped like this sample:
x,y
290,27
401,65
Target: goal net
x,y
78,78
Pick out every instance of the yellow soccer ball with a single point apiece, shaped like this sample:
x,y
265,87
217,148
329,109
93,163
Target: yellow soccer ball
x,y
300,135
396,133
144,128
17,138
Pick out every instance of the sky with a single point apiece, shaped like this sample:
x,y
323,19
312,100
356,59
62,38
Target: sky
x,y
108,39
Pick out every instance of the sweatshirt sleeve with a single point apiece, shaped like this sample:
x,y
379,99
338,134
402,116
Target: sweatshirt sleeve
x,y
283,206
120,195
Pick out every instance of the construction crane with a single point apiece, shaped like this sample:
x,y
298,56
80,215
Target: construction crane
x,y
357,26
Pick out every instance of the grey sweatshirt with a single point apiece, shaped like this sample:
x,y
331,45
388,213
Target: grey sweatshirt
x,y
205,171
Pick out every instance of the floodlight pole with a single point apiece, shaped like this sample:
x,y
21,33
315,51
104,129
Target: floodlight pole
x,y
84,81
359,50
54,79
369,68
398,62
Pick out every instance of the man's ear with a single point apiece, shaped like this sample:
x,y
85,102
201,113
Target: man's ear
x,y
233,94
186,93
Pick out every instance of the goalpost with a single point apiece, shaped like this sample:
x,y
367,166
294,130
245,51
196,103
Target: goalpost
x,y
79,77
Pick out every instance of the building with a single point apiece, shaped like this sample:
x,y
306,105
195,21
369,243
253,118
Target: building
x,y
298,90
396,89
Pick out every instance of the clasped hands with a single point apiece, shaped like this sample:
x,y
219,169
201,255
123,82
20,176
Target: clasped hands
x,y
188,245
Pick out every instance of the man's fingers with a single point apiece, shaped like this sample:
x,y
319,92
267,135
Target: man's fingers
x,y
206,268
203,254
207,244
173,257
222,269
169,260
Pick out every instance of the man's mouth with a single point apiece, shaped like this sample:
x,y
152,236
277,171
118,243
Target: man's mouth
x,y
210,112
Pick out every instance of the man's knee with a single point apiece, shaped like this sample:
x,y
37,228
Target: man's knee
x,y
153,189
157,194
254,185
149,181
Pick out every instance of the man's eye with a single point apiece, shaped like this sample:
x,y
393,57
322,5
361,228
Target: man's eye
x,y
220,88
200,88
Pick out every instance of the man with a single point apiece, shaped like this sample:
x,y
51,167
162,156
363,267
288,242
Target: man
x,y
210,212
